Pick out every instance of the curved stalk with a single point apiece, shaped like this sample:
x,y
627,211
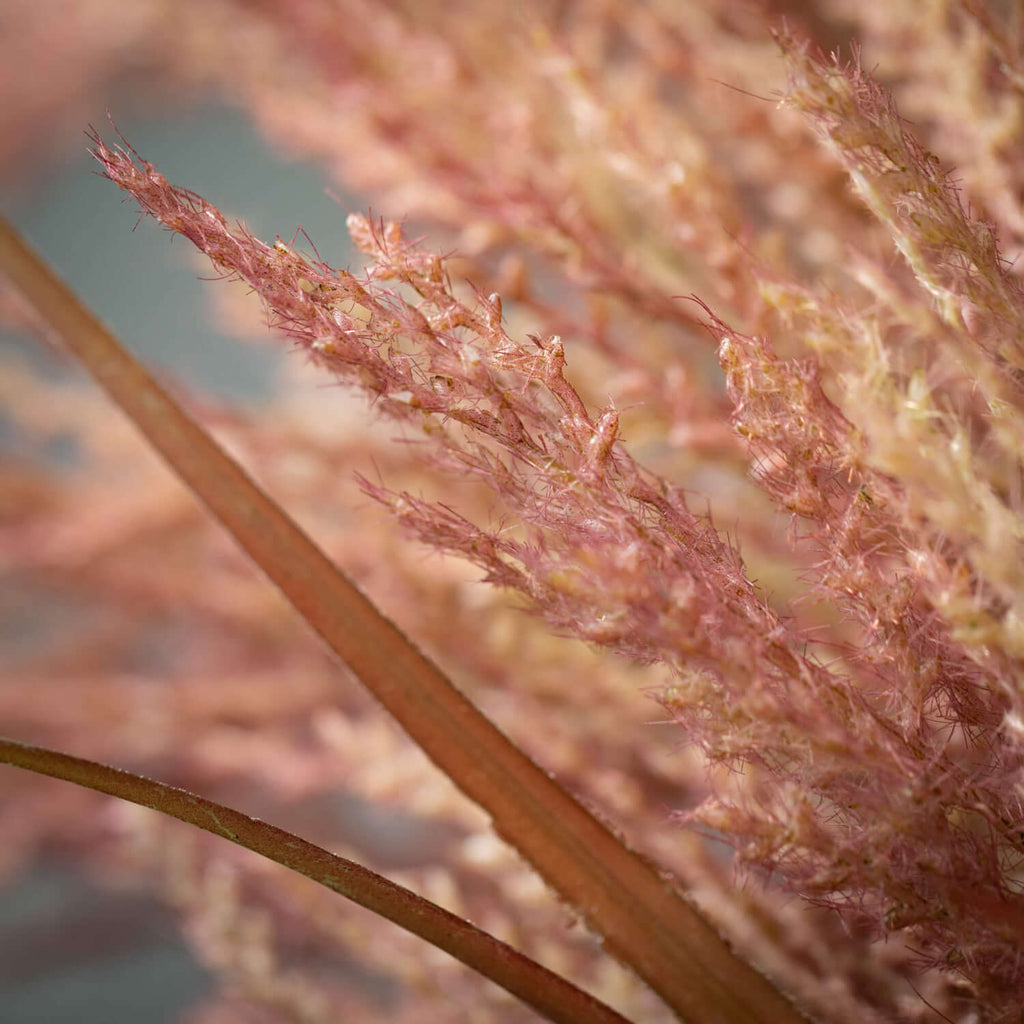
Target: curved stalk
x,y
645,921
548,993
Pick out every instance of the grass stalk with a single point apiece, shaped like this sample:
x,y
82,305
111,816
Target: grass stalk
x,y
644,920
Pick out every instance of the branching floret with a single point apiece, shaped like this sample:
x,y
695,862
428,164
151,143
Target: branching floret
x,y
860,803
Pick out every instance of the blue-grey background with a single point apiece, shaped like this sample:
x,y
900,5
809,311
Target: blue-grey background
x,y
144,283
145,286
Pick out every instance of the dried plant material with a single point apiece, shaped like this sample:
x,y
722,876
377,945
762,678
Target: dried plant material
x,y
581,435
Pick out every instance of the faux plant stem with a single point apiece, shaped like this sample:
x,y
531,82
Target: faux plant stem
x,y
548,993
644,920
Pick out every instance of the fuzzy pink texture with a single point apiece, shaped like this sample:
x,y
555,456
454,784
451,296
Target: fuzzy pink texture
x,y
898,806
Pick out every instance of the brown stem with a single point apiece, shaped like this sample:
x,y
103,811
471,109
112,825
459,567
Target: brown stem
x,y
548,993
644,920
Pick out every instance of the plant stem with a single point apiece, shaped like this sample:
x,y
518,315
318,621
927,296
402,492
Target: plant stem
x,y
548,993
643,918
